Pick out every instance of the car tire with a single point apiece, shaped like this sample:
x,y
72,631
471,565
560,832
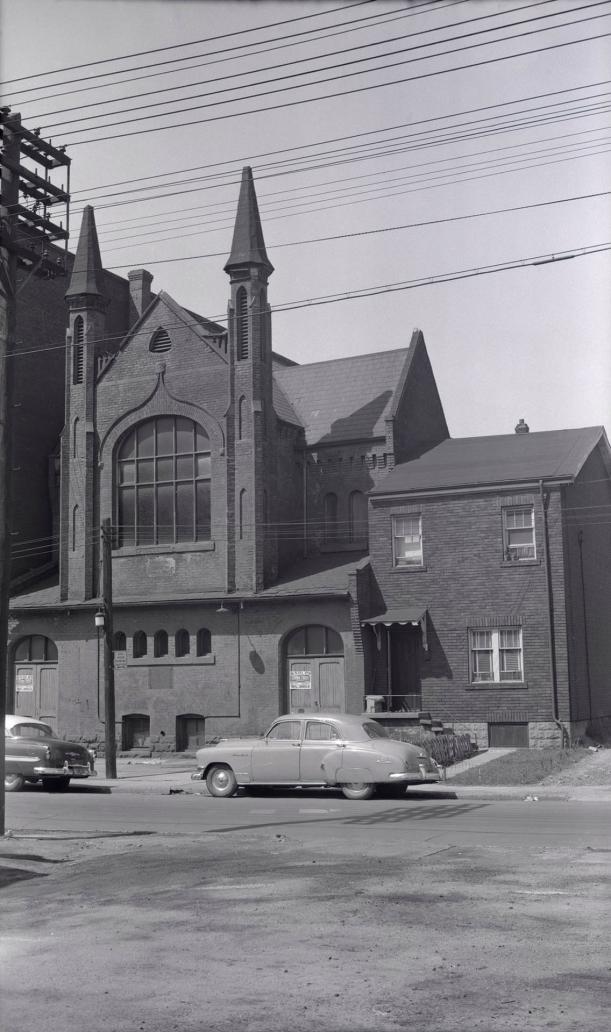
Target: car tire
x,y
358,790
13,782
221,781
55,784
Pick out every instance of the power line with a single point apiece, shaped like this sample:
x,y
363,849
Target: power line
x,y
46,127
343,93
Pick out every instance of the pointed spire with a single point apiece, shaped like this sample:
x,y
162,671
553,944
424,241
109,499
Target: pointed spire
x,y
248,246
87,272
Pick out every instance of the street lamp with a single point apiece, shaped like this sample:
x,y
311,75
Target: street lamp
x,y
99,619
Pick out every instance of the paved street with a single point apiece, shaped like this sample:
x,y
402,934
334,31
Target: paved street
x,y
294,911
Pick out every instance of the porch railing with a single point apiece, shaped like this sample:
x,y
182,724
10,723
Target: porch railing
x,y
393,703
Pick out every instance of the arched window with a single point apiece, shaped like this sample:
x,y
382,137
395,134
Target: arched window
x,y
75,526
242,513
242,418
139,645
120,642
75,428
330,518
314,640
36,649
163,483
160,342
242,323
160,644
182,643
358,518
78,350
204,643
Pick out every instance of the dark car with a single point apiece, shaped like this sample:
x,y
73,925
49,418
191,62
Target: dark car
x,y
34,753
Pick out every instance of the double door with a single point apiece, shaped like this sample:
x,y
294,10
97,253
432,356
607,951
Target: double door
x,y
36,691
316,684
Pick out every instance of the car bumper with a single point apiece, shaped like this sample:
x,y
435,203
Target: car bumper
x,y
65,772
423,774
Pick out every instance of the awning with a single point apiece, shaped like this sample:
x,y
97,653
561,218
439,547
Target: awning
x,y
405,616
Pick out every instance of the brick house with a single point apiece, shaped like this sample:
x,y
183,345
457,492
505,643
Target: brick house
x,y
236,482
491,559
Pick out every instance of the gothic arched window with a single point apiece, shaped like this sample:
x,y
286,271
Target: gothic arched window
x,y
358,518
163,483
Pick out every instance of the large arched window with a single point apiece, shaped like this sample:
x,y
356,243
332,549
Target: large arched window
x,y
35,649
163,483
314,640
358,518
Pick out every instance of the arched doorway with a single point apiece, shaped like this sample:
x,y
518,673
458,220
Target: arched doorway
x,y
35,678
315,670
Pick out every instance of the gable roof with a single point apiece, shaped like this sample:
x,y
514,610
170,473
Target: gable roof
x,y
344,399
502,459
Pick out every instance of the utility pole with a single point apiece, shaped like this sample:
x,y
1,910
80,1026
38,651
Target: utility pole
x,y
26,233
110,751
8,318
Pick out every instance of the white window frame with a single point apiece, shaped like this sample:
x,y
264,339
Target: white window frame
x,y
500,644
511,552
400,534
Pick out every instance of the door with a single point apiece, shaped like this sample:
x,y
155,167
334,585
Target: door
x,y
405,682
315,670
190,733
276,758
319,740
36,692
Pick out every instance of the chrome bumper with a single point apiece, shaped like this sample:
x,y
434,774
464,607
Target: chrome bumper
x,y
423,774
65,772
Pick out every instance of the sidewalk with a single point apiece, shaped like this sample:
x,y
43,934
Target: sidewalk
x,y
173,776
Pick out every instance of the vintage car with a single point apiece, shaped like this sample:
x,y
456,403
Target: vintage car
x,y
352,753
34,753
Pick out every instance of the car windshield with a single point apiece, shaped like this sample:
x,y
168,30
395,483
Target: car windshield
x,y
32,731
374,730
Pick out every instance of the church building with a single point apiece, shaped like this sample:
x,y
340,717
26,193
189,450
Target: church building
x,y
236,485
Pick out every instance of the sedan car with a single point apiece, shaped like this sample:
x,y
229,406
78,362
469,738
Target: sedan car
x,y
354,754
35,753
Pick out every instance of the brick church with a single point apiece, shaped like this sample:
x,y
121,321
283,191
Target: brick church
x,y
290,537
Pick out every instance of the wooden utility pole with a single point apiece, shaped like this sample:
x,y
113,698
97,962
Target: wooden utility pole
x,y
109,663
8,315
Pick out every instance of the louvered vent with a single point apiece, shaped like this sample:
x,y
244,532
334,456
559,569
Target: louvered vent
x,y
160,342
77,363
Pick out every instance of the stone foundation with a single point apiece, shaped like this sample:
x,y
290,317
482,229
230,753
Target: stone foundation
x,y
544,734
478,732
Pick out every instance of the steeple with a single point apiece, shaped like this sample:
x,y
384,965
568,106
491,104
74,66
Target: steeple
x,y
248,246
87,273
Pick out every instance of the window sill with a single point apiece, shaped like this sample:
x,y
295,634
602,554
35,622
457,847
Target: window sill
x,y
496,686
513,563
344,546
409,569
189,546
150,661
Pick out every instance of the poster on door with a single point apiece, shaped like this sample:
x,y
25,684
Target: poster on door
x,y
24,681
300,680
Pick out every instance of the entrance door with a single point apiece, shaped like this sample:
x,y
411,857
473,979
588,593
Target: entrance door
x,y
315,670
35,679
405,682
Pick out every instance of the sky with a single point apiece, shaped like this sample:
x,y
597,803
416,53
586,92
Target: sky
x,y
434,119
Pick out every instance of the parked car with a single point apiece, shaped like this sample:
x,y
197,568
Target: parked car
x,y
337,750
35,753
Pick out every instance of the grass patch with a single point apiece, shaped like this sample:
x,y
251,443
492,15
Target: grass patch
x,y
522,767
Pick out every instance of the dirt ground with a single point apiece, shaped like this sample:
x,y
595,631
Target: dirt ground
x,y
261,933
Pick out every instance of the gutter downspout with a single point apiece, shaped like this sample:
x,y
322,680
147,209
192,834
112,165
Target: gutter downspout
x,y
585,624
305,503
550,617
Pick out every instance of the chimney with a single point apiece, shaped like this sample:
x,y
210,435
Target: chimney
x,y
522,427
139,293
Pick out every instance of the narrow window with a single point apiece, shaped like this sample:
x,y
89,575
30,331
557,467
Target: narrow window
x,y
519,533
242,323
78,351
358,518
160,644
139,645
182,644
75,428
75,523
496,655
203,642
120,643
241,418
407,540
242,510
330,518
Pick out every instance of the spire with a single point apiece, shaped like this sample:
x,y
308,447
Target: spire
x,y
87,273
248,246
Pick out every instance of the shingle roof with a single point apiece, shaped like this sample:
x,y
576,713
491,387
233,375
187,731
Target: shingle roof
x,y
346,398
506,458
316,575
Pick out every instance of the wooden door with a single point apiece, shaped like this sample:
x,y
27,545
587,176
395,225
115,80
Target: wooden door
x,y
36,691
316,684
